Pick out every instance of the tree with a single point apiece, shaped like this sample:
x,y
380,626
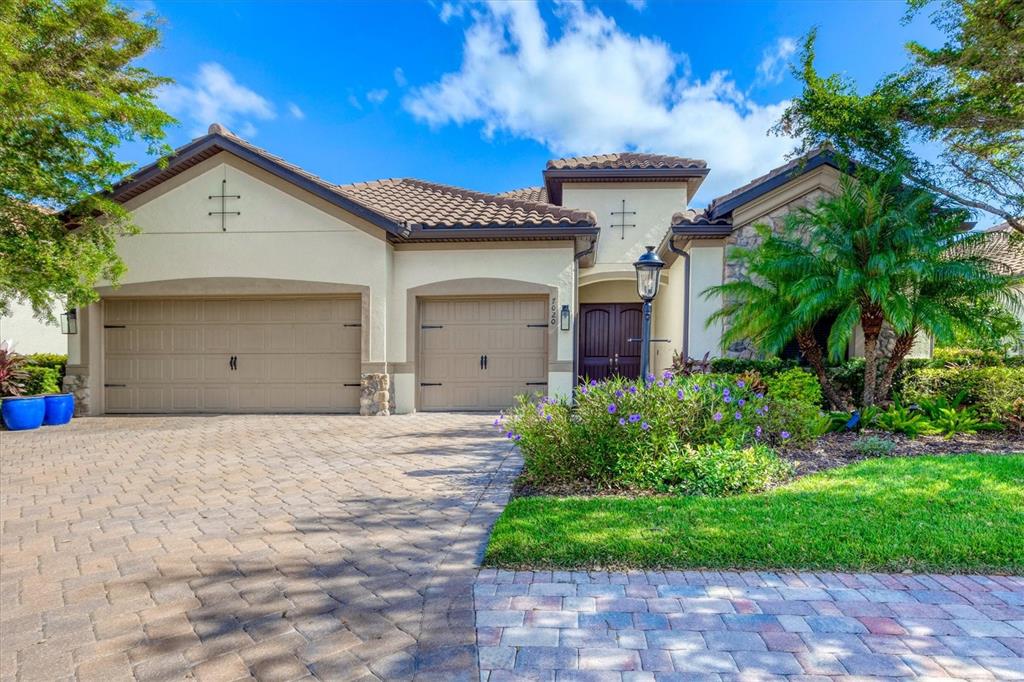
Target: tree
x,y
70,95
965,98
762,307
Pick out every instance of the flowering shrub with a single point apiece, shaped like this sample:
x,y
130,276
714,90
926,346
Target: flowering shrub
x,y
619,431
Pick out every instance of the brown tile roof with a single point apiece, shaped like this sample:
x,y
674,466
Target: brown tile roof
x,y
1006,248
625,161
764,181
429,204
697,217
539,194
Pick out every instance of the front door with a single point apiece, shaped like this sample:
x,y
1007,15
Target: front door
x,y
605,349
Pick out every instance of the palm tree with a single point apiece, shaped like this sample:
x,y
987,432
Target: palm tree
x,y
761,308
880,253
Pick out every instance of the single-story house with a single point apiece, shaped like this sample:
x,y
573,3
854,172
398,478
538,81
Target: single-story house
x,y
256,286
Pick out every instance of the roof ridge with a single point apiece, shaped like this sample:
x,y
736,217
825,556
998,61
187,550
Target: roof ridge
x,y
606,160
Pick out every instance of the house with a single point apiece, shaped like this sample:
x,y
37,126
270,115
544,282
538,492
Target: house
x,y
1005,248
29,333
256,286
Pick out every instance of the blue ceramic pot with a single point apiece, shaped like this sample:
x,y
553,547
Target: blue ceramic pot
x,y
23,413
60,407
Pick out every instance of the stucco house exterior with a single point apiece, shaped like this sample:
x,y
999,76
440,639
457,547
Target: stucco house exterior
x,y
255,286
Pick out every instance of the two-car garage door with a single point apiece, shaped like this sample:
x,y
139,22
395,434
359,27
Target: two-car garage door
x,y
232,355
480,353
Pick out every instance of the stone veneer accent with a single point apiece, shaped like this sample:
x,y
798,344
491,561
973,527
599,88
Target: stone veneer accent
x,y
78,384
375,395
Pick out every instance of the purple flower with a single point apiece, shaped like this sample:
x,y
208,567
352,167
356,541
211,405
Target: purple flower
x,y
785,435
632,389
738,416
696,388
717,416
727,398
613,408
741,383
661,384
517,437
680,393
509,434
583,390
593,382
726,391
759,395
633,418
757,432
741,402
619,393
650,377
497,422
549,417
645,426
667,375
622,421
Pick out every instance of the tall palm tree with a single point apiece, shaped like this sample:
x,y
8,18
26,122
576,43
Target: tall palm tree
x,y
761,307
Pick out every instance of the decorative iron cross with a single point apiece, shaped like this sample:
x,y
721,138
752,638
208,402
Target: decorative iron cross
x,y
224,196
622,220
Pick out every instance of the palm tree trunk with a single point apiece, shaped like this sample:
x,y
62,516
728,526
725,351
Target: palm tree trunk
x,y
816,359
871,321
904,343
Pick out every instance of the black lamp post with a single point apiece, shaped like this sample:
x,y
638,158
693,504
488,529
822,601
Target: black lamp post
x,y
648,276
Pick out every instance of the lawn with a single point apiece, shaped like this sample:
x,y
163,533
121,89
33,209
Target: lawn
x,y
955,514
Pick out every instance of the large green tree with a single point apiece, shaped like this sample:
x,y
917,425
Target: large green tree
x,y
877,254
961,104
70,95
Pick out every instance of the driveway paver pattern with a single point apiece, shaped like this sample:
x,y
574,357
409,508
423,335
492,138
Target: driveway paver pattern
x,y
239,547
662,626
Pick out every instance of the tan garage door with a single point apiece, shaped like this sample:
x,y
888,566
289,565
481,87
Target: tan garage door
x,y
232,355
478,354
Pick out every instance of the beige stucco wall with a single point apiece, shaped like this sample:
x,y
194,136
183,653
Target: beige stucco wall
x,y
668,316
706,268
610,291
29,334
478,270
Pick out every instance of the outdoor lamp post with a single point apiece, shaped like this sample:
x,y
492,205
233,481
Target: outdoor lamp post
x,y
648,275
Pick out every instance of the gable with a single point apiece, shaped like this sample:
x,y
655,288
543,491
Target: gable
x,y
189,203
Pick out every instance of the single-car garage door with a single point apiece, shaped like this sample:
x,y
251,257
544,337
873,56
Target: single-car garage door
x,y
232,355
480,353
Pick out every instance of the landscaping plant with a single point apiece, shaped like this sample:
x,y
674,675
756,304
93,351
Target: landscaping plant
x,y
12,374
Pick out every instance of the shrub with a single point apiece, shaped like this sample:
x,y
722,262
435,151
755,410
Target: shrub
x,y
710,469
992,391
617,428
873,446
795,384
40,380
765,367
972,357
55,361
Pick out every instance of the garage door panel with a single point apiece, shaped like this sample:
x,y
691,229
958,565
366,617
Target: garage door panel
x,y
500,328
293,355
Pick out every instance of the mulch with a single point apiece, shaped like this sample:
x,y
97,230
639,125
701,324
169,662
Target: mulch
x,y
838,449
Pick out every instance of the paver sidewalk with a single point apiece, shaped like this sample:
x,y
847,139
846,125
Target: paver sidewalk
x,y
240,547
662,626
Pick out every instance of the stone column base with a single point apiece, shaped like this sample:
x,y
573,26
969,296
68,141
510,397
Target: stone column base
x,y
375,395
78,385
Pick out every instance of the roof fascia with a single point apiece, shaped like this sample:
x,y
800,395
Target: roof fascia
x,y
759,190
503,233
554,177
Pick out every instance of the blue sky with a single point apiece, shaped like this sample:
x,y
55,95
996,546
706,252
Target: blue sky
x,y
482,95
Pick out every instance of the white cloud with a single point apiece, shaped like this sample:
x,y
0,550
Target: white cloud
x,y
215,96
774,61
451,10
296,112
400,79
377,96
594,88
638,5
354,102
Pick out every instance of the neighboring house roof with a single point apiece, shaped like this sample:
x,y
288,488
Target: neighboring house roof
x,y
626,161
1005,248
407,209
629,166
719,211
432,205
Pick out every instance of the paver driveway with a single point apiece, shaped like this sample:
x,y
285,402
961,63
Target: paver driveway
x,y
220,548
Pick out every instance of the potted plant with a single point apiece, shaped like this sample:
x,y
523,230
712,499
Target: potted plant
x,y
18,412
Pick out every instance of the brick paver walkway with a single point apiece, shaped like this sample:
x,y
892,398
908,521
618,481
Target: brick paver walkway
x,y
222,548
661,626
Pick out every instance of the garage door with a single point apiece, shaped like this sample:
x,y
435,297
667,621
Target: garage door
x,y
478,354
232,355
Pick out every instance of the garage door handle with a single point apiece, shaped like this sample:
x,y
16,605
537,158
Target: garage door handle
x,y
485,362
425,383
233,362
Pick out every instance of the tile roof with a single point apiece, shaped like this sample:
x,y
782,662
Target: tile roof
x,y
793,166
697,217
625,161
1006,248
539,194
431,205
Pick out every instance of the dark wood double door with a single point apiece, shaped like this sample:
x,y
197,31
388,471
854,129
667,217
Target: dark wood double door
x,y
605,349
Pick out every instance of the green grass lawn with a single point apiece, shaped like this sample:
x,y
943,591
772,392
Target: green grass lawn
x,y
962,514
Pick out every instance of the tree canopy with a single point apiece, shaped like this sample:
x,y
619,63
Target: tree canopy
x,y
71,94
964,99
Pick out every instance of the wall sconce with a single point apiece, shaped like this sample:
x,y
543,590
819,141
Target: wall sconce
x,y
565,319
69,322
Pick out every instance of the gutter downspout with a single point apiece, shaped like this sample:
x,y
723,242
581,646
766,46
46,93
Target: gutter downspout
x,y
576,305
685,255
